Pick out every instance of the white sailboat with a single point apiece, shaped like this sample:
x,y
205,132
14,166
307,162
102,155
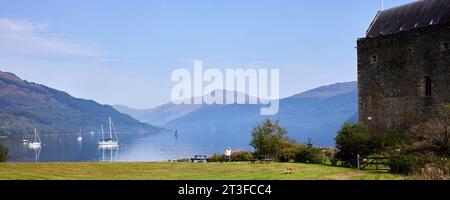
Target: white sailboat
x,y
36,142
80,137
25,139
109,142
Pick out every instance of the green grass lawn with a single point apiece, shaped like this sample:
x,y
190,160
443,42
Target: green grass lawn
x,y
183,171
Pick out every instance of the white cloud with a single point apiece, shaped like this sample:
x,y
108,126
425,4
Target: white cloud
x,y
33,38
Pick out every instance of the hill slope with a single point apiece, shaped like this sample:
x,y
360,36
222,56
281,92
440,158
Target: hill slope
x,y
25,105
316,114
160,115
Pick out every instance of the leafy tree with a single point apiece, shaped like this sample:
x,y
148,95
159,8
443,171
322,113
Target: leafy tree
x,y
356,139
309,155
3,153
351,141
289,150
268,138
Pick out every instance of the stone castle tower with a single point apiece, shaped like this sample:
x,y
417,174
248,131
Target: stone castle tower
x,y
404,65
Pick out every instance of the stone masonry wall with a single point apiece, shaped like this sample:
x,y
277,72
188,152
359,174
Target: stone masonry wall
x,y
391,77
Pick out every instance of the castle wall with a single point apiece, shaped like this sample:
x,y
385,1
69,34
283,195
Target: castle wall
x,y
392,73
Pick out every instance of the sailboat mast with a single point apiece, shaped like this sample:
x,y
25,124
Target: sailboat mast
x,y
110,128
39,138
103,137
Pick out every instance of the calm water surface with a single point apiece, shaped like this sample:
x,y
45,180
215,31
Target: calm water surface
x,y
133,147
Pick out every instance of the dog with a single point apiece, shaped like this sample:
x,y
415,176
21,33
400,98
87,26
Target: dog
x,y
290,171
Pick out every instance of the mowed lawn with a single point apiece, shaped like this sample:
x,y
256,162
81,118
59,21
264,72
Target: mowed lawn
x,y
183,171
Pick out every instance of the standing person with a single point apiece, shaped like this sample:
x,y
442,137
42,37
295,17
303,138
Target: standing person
x,y
228,155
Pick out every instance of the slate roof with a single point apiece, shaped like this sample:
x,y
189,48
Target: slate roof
x,y
410,16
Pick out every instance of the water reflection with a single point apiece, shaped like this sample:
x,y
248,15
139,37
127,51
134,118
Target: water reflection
x,y
37,152
133,147
108,153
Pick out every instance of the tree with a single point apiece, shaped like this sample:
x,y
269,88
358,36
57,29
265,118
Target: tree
x,y
268,138
309,155
289,150
434,134
3,153
351,141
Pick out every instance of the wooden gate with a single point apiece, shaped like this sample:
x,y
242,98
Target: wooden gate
x,y
380,162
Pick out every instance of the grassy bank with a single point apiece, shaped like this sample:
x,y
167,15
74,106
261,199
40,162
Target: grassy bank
x,y
182,171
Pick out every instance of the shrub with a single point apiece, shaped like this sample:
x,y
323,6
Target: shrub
x,y
436,171
241,155
289,150
409,163
433,135
3,153
424,166
217,157
236,156
351,141
309,155
356,139
388,142
184,160
330,155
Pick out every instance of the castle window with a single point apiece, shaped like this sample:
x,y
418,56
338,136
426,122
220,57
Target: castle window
x,y
410,50
410,54
427,86
444,46
373,59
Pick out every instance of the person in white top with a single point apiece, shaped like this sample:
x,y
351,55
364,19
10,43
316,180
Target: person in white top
x,y
228,155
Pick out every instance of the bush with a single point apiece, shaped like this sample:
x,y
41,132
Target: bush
x,y
240,156
309,155
217,157
409,163
289,150
436,171
351,141
388,142
236,156
423,166
3,153
356,139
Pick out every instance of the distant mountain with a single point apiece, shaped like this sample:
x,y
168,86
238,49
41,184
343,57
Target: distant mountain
x,y
166,113
25,105
329,91
160,115
316,114
131,111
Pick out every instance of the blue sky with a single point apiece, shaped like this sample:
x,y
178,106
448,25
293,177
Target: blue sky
x,y
123,52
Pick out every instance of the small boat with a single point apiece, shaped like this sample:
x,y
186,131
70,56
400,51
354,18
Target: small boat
x,y
109,142
25,139
80,137
36,142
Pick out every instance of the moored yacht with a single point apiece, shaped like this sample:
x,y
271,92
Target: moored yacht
x,y
36,142
25,139
109,142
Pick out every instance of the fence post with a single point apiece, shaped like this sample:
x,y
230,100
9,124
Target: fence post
x,y
357,162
